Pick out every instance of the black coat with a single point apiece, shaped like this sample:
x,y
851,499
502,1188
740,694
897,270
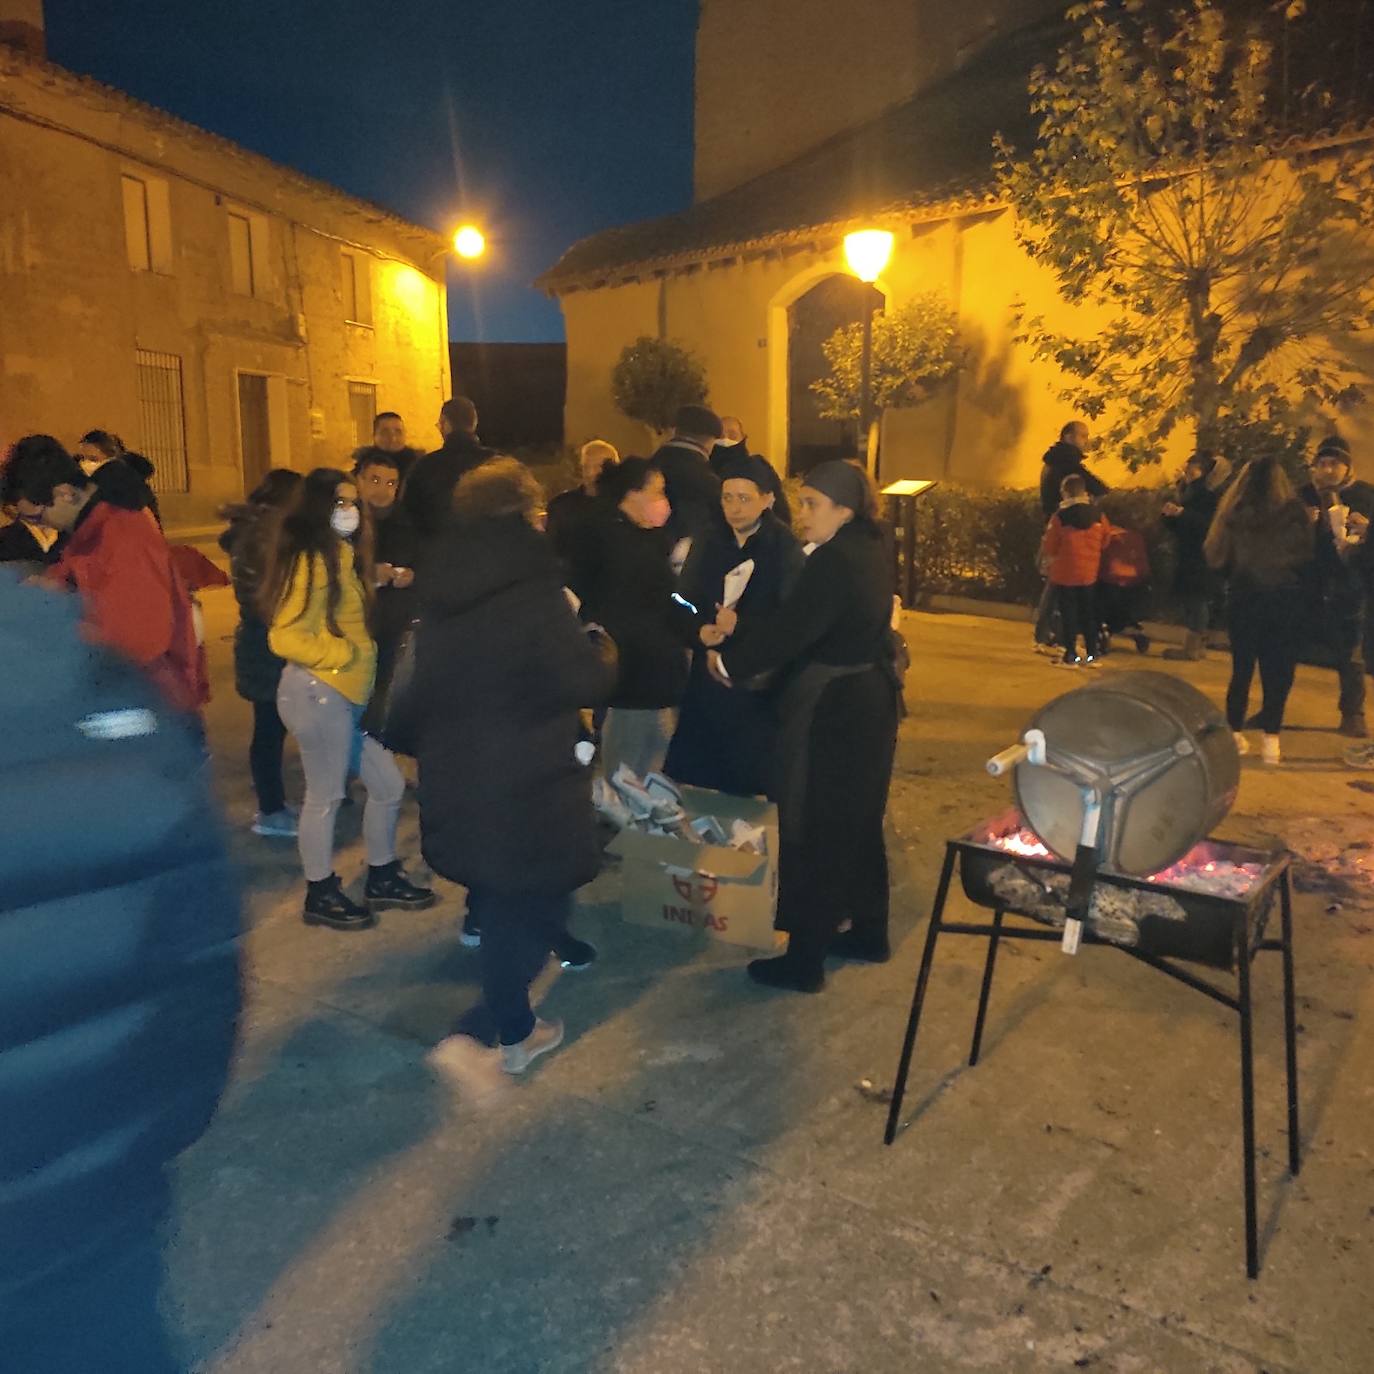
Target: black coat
x,y
257,670
1192,576
630,592
1059,461
394,542
1333,576
502,670
574,518
18,545
725,735
693,491
119,922
428,493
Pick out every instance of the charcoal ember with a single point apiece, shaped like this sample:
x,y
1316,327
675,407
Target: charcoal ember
x,y
1114,912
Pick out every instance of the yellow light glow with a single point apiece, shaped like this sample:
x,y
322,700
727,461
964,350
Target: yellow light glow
x,y
867,251
468,242
412,290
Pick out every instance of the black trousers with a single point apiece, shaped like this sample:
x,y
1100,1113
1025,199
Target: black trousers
x,y
833,865
1343,626
1265,628
1078,611
518,931
265,757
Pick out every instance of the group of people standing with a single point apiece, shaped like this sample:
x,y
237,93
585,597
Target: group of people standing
x,y
664,597
1294,566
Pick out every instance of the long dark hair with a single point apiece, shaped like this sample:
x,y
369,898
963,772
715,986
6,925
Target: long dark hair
x,y
277,488
305,530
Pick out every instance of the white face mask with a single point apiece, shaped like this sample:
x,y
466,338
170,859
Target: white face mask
x,y
345,521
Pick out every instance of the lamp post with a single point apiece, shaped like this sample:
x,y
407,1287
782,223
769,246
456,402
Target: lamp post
x,y
867,252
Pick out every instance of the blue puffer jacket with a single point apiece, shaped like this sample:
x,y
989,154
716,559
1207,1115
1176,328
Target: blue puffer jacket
x,y
119,925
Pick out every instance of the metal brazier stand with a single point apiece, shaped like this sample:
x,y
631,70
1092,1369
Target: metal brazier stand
x,y
1219,931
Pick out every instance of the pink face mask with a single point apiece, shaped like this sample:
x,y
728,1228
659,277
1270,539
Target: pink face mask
x,y
657,512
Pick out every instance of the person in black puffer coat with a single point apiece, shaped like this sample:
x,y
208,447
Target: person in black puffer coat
x,y
119,990
257,670
502,669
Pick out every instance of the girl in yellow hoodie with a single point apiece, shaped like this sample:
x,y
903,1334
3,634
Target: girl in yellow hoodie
x,y
315,598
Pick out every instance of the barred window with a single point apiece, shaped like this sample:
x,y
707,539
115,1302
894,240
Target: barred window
x,y
162,417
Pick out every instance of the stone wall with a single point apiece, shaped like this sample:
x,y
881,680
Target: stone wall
x,y
73,312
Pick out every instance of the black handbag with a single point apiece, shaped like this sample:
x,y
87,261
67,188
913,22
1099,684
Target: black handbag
x,y
390,717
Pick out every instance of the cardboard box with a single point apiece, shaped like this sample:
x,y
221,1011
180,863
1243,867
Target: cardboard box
x,y
727,894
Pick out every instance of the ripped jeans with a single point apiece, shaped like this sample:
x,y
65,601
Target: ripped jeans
x,y
325,724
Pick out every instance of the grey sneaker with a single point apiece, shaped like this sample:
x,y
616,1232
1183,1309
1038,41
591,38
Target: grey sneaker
x,y
1360,756
546,1036
277,824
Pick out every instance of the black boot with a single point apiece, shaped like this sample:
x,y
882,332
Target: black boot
x,y
787,971
574,954
861,946
327,904
388,887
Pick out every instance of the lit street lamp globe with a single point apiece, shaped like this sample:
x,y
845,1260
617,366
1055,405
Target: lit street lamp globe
x,y
468,242
867,251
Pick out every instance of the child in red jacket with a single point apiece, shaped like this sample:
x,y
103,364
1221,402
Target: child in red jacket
x,y
1071,555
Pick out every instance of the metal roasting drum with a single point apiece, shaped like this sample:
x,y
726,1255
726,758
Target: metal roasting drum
x,y
1148,748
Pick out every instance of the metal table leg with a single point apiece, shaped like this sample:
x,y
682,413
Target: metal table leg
x,y
983,996
1247,1109
1290,1023
918,999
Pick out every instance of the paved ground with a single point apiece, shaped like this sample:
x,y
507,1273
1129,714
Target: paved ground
x,y
696,1182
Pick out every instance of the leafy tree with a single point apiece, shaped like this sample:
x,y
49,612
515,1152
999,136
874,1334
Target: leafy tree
x,y
915,347
1199,211
652,378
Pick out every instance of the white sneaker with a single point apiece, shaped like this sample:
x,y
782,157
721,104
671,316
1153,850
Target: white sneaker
x,y
1269,749
471,1067
1242,744
546,1036
278,824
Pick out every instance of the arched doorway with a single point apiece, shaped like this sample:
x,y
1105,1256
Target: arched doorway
x,y
811,318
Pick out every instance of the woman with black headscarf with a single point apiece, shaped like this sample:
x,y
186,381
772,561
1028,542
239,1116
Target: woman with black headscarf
x,y
838,734
726,737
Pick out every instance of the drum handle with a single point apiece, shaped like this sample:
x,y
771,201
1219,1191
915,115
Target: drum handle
x,y
1030,750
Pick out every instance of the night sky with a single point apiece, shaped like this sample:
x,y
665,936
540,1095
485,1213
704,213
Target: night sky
x,y
541,120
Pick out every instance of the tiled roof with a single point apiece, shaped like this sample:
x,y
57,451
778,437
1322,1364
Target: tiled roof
x,y
931,154
98,95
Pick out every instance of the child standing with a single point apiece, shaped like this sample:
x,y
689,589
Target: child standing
x,y
1072,555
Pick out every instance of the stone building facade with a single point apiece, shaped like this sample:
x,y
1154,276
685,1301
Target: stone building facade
x,y
221,313
813,119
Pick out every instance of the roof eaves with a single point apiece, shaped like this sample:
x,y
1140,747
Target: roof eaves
x,y
153,114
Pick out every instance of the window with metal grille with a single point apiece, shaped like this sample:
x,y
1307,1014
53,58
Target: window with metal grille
x,y
362,406
162,417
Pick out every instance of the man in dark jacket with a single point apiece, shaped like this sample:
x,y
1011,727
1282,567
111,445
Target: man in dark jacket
x,y
389,435
1060,460
428,495
693,489
573,514
1188,519
119,921
1341,577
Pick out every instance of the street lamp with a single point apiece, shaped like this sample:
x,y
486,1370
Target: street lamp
x,y
867,251
469,242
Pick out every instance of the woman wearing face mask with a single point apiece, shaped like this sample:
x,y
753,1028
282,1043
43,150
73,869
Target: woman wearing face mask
x,y
98,450
839,715
315,597
629,590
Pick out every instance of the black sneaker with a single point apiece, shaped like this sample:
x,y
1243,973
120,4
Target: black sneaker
x,y
1142,643
388,887
471,937
575,955
786,972
327,904
862,948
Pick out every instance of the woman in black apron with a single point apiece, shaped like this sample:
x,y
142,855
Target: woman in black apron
x,y
839,714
